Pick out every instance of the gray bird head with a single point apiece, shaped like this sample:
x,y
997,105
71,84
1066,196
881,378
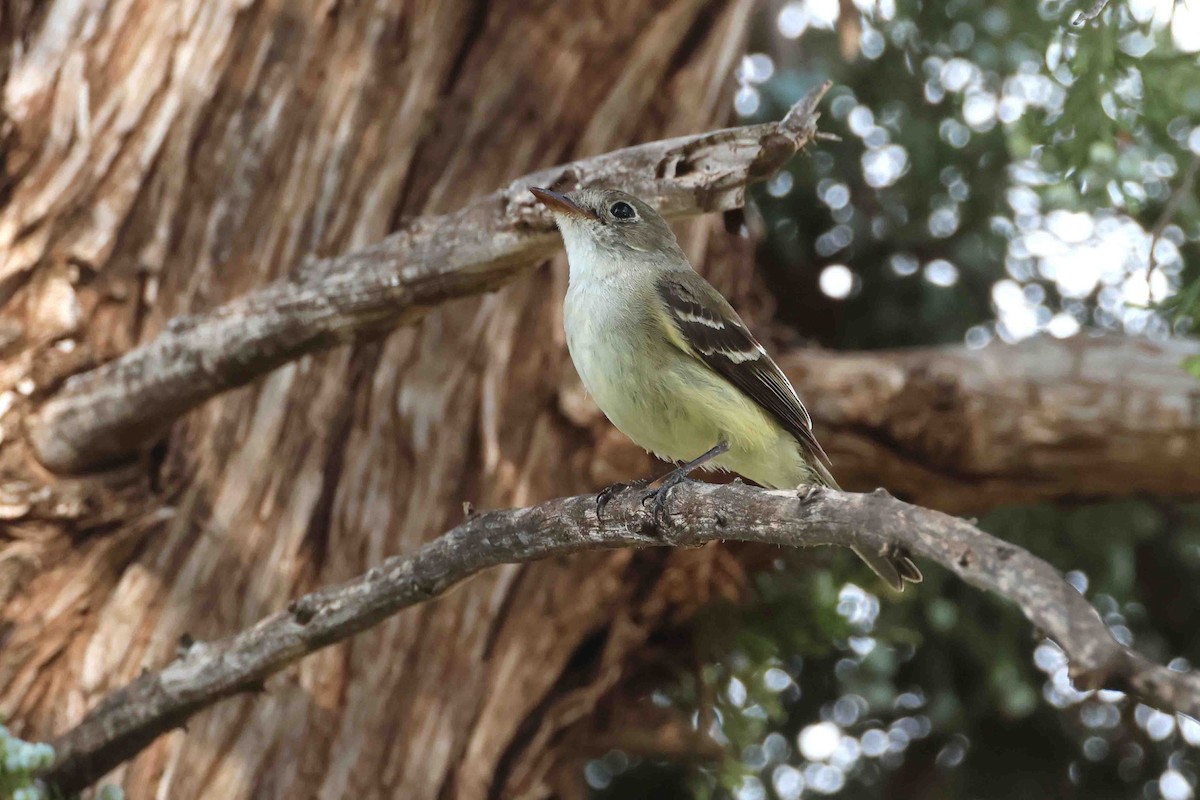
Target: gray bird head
x,y
609,223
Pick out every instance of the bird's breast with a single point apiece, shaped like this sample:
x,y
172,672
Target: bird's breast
x,y
633,372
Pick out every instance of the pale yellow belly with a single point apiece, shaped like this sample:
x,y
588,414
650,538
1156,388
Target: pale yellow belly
x,y
675,407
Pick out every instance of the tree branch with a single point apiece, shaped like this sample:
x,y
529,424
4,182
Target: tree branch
x,y
967,430
129,719
104,414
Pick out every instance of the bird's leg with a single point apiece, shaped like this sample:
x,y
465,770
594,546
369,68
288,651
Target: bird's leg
x,y
609,492
677,476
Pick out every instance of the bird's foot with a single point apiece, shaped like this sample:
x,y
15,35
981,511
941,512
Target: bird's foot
x,y
658,497
609,492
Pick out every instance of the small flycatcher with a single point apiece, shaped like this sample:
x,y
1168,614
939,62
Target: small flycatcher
x,y
672,365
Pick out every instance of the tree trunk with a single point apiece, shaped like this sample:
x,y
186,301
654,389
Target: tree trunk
x,y
163,157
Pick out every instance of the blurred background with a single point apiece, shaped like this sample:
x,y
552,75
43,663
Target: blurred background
x,y
1001,171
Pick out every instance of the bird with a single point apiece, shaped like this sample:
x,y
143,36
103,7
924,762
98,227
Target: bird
x,y
671,364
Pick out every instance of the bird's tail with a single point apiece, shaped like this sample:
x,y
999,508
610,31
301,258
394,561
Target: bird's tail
x,y
895,568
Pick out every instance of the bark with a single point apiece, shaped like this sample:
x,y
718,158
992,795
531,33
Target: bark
x,y
696,514
965,431
164,158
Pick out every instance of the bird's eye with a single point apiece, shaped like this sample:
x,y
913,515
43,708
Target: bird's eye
x,y
622,210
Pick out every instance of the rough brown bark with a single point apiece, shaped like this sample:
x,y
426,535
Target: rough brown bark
x,y
965,431
164,158
206,672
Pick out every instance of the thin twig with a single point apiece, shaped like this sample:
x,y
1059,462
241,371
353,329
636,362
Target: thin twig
x,y
129,719
1084,16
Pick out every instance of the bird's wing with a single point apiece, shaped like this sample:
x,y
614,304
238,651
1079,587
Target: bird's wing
x,y
704,325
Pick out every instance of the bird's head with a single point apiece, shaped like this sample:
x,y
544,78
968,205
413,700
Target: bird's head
x,y
609,223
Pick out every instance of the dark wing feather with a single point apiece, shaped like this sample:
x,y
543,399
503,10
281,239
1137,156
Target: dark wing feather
x,y
716,334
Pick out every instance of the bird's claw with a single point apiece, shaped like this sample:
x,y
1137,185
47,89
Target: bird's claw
x,y
658,500
608,493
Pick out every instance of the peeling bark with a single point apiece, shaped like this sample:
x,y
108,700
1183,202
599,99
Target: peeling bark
x,y
164,158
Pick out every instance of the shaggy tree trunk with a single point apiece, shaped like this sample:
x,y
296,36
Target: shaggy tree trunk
x,y
164,157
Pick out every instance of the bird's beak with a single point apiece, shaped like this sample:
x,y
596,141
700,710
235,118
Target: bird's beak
x,y
560,203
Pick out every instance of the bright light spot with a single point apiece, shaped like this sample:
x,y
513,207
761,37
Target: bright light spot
x,y
861,645
1071,228
746,100
775,746
780,184
874,743
1174,786
1136,290
1159,726
825,779
1062,326
823,13
837,281
861,121
834,239
943,222
1193,140
957,74
737,692
788,782
1007,295
1078,579
954,133
1049,657
836,196
1185,27
847,709
847,753
940,272
904,265
979,110
884,166
871,42
1190,729
751,789
597,774
792,20
1142,10
818,742
758,67
776,680
860,608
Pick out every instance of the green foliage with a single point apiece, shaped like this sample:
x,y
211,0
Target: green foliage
x,y
19,761
1034,167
